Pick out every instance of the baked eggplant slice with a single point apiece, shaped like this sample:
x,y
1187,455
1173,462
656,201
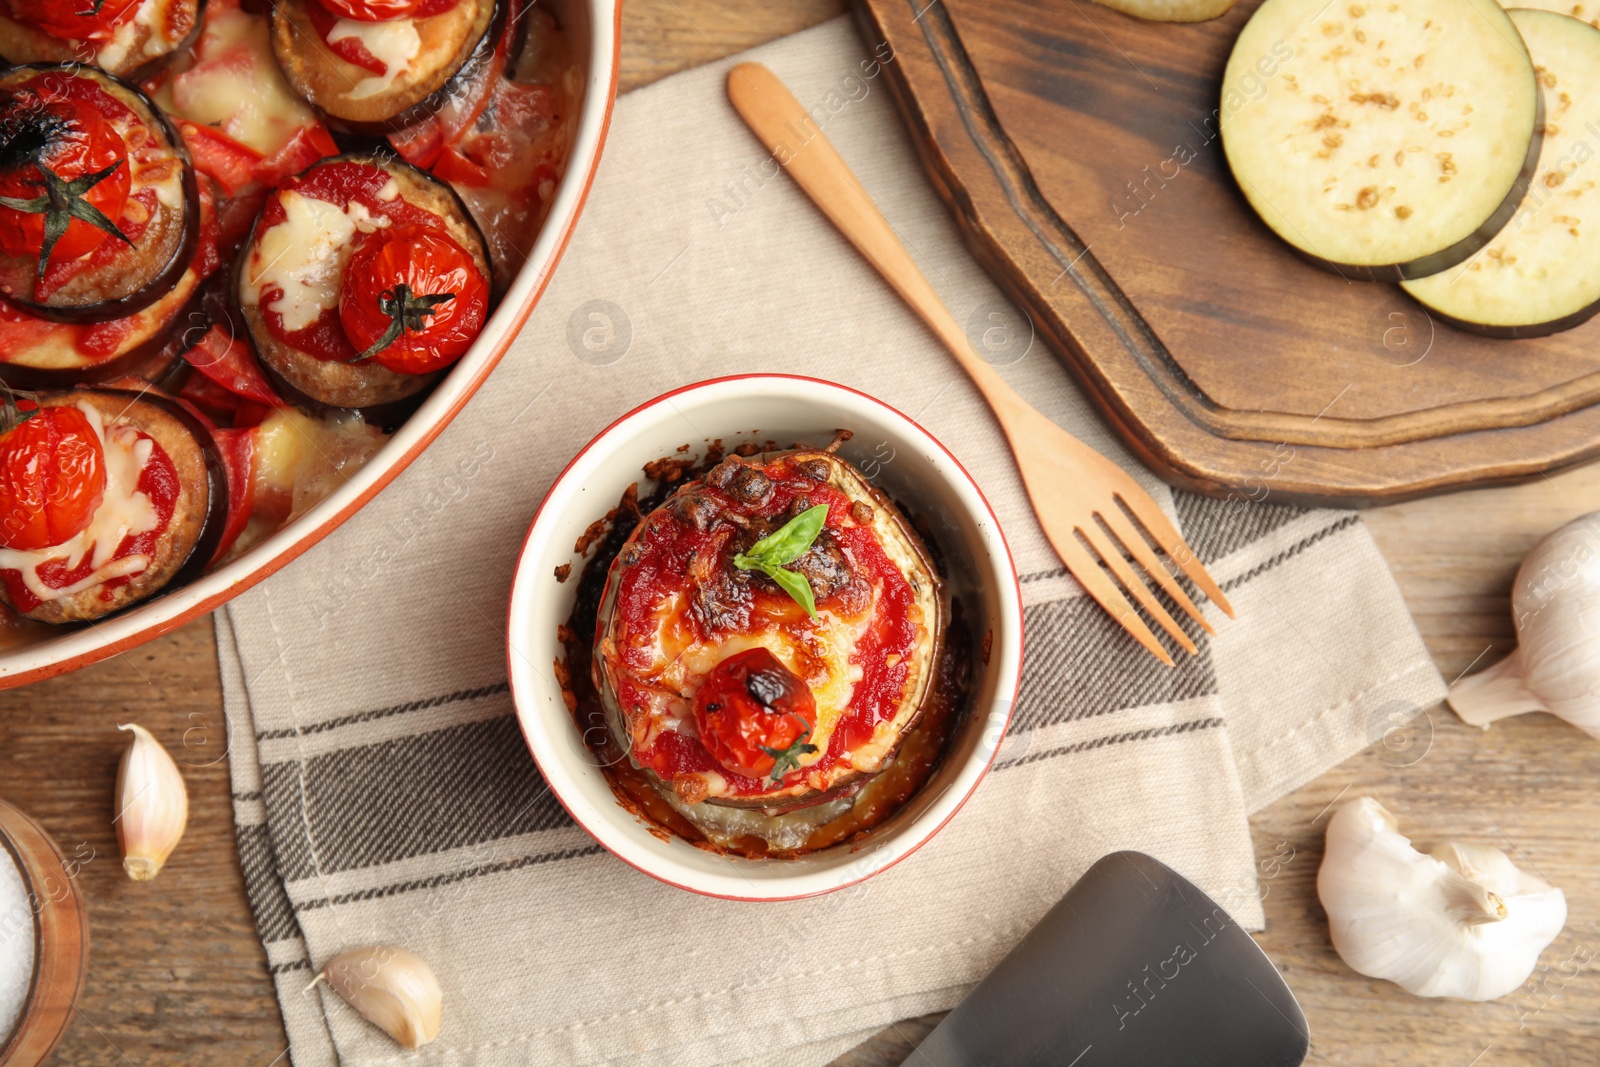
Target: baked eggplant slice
x,y
769,635
1383,141
1541,274
99,207
302,261
110,497
38,354
131,38
374,77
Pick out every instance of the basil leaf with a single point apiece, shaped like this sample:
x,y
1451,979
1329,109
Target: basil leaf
x,y
789,542
797,587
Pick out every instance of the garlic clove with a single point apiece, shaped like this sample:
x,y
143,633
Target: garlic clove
x,y
1462,922
392,988
1555,667
152,805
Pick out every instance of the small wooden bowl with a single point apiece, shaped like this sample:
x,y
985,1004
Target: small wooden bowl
x,y
61,951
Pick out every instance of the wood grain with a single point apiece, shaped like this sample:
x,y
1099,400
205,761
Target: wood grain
x,y
177,976
1079,150
1078,495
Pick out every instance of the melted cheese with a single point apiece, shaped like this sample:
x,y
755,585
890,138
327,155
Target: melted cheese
x,y
305,256
124,511
817,651
147,22
235,84
394,44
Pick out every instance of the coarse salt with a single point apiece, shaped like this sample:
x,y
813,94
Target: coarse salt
x,y
17,936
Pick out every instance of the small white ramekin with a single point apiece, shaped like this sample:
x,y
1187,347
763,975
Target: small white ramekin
x,y
898,456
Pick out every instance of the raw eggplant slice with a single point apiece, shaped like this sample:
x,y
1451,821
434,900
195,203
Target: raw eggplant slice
x,y
1384,141
421,58
162,215
154,32
1541,274
307,250
1171,10
1588,11
190,486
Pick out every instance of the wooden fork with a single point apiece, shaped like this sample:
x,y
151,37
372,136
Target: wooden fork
x,y
1086,504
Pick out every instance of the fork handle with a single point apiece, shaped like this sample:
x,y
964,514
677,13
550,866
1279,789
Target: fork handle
x,y
792,135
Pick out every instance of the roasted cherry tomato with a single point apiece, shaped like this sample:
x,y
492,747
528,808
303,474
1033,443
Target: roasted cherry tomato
x,y
61,165
755,715
385,10
413,299
52,478
75,20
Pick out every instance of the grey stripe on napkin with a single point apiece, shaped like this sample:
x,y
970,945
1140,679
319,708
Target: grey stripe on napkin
x,y
382,789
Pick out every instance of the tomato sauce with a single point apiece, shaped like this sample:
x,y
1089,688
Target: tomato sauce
x,y
668,551
158,481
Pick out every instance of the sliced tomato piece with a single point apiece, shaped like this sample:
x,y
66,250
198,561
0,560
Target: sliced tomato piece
x,y
305,147
457,169
238,448
232,164
349,49
420,143
386,10
227,361
208,401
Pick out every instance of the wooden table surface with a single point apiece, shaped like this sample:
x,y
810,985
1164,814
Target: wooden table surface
x,y
178,976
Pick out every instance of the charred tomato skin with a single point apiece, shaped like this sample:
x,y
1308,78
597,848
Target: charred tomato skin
x,y
72,140
427,262
751,707
52,479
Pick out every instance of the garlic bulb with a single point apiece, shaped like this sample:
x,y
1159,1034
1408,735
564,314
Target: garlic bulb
x,y
1462,921
392,988
1555,603
152,805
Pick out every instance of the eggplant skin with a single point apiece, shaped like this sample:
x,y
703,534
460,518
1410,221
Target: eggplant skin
x,y
150,359
934,600
24,44
198,517
321,78
383,395
1542,274
157,279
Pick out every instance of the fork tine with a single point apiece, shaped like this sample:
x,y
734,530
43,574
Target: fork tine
x,y
1131,539
1153,519
1095,582
1108,552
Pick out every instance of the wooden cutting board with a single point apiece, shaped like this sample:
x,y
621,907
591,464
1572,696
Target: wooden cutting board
x,y
1078,149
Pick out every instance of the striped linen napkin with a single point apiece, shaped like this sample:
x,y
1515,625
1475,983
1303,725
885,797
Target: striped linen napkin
x,y
383,792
